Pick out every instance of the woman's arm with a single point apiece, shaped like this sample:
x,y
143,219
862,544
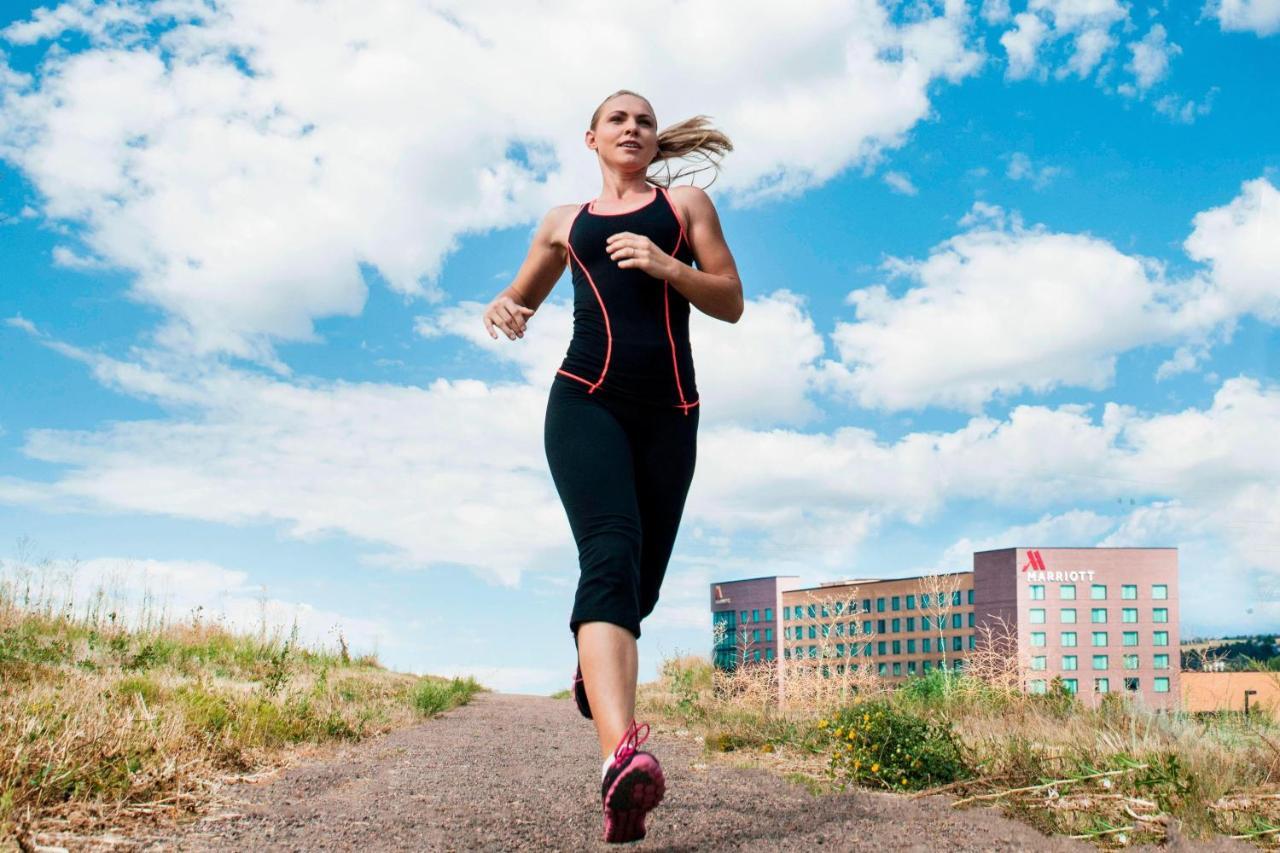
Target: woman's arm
x,y
714,287
510,310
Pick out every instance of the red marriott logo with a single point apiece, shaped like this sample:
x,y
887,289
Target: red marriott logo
x,y
1034,562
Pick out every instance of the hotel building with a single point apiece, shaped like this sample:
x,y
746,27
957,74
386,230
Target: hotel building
x,y
1104,620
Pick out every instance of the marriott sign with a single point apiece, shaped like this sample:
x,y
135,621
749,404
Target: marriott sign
x,y
1036,572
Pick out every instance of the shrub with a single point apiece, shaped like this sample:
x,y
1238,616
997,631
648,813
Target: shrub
x,y
877,744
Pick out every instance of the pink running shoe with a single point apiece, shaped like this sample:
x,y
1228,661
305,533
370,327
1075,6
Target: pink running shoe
x,y
632,787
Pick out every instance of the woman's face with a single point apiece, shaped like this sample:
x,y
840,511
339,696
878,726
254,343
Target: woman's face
x,y
626,134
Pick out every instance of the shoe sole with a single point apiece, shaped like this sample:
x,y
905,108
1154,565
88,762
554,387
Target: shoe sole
x,y
636,791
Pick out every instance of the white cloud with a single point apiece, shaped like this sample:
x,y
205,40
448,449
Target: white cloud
x,y
1151,56
1261,17
1022,169
900,183
995,11
141,590
976,325
1022,44
1073,528
1185,111
244,161
66,257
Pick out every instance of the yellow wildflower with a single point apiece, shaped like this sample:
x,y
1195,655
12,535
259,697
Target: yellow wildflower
x,y
875,768
822,724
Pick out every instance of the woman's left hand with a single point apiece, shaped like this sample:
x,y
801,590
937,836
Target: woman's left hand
x,y
636,251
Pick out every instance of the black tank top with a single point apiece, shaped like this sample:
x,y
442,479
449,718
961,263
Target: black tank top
x,y
630,330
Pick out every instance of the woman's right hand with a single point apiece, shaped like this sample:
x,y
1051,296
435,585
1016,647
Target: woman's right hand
x,y
508,315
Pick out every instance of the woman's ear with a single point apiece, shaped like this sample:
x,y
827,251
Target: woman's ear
x,y
590,139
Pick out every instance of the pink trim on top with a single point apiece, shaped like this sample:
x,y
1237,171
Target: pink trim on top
x,y
591,206
666,305
608,331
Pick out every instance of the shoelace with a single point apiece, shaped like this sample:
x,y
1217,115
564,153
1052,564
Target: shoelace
x,y
631,740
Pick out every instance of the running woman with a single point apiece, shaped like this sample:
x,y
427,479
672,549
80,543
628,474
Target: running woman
x,y
622,415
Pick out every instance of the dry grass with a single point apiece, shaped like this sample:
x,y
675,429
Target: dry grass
x,y
105,721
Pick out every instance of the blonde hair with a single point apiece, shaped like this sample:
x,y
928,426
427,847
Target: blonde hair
x,y
694,139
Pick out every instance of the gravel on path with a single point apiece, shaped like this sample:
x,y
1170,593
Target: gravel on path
x,y
519,772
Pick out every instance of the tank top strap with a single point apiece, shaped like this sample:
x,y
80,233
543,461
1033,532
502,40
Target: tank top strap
x,y
675,211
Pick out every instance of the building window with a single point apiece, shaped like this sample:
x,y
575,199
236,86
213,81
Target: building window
x,y
1100,638
813,611
1037,638
1069,639
897,667
866,649
1159,614
768,614
839,607
925,624
1098,615
970,596
924,645
957,644
755,635
1161,661
879,605
955,598
897,647
1037,616
969,618
1039,662
1072,685
1101,662
768,653
866,605
911,623
1129,638
839,629
1098,592
882,669
897,625
1131,684
826,630
956,620
813,632
1070,662
882,647
755,615
1129,614
1036,685
839,650
756,654
911,667
880,626
911,647
1159,591
1067,592
768,635
786,653
928,665
1162,684
957,664
786,614
786,633
744,616
1129,661
1160,638
895,603
813,651
1101,685
1067,615
1037,592
911,602
825,612
866,626
1129,591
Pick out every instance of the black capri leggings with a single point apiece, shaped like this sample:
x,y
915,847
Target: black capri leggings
x,y
622,469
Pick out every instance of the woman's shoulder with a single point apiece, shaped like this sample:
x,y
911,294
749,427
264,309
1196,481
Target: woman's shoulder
x,y
557,221
692,203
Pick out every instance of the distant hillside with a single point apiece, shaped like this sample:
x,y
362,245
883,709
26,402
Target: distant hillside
x,y
1232,653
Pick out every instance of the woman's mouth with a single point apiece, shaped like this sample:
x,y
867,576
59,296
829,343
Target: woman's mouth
x,y
635,145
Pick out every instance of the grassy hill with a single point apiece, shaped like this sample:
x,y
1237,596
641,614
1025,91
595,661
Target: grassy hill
x,y
103,723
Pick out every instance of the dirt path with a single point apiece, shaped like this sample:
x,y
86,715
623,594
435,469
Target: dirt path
x,y
516,772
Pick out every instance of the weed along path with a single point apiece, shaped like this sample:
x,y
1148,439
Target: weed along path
x,y
518,772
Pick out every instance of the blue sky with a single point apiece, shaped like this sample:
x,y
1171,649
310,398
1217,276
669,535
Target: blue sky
x,y
1010,271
